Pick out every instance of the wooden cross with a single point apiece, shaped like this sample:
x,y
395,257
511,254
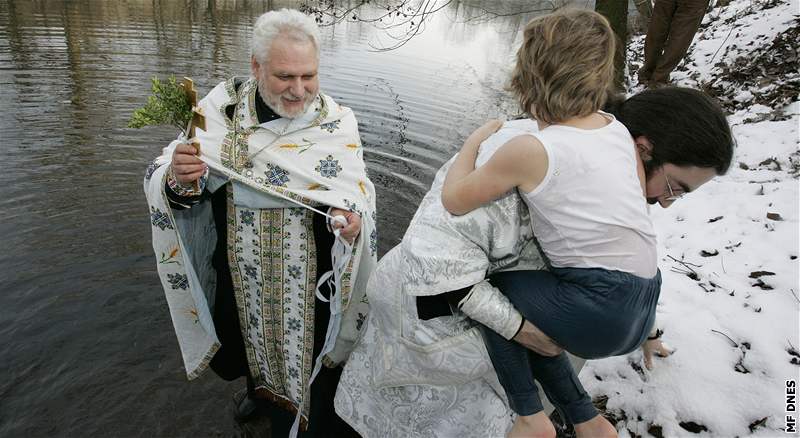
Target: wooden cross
x,y
198,119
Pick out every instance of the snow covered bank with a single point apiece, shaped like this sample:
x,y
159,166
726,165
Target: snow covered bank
x,y
728,252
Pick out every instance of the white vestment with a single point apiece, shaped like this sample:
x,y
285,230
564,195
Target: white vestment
x,y
314,160
410,377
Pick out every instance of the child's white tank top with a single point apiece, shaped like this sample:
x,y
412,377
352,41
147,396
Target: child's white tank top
x,y
589,211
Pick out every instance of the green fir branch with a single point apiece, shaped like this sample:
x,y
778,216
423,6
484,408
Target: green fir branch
x,y
169,105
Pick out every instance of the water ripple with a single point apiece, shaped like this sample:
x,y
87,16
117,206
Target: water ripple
x,y
89,344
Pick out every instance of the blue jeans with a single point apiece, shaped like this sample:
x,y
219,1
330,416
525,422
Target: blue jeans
x,y
591,312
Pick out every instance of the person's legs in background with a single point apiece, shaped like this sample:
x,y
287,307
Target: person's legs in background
x,y
687,18
657,33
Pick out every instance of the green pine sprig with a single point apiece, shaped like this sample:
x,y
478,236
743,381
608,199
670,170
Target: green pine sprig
x,y
169,105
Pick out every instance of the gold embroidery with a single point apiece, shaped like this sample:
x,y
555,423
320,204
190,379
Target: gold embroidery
x,y
272,294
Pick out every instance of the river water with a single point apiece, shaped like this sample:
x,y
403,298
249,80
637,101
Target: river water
x,y
86,343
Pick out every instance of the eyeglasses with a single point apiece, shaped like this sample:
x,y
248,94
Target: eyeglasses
x,y
672,196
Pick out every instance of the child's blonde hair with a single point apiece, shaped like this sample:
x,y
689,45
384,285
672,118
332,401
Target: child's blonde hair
x,y
565,65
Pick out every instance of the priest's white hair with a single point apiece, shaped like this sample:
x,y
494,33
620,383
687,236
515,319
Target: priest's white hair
x,y
288,22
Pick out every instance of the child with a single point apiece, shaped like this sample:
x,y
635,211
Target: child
x,y
583,182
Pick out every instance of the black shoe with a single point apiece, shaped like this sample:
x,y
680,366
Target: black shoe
x,y
246,410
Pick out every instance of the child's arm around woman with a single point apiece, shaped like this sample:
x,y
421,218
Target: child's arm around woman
x,y
521,162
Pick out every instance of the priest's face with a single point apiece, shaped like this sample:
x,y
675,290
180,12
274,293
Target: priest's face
x,y
288,80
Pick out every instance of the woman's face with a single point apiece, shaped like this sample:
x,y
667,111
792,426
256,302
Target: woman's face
x,y
668,183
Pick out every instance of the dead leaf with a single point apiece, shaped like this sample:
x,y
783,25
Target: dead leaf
x,y
764,286
774,216
771,161
757,274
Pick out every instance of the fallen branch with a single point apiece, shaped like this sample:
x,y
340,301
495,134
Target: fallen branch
x,y
733,343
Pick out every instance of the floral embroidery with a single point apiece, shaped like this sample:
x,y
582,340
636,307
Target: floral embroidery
x,y
250,271
247,217
276,175
227,151
293,324
169,258
160,219
373,242
330,126
151,168
360,320
351,145
294,271
362,187
329,168
351,206
178,281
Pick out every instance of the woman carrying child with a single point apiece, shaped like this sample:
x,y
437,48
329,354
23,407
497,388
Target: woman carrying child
x,y
584,184
421,367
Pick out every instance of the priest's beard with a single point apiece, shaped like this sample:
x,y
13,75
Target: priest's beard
x,y
274,101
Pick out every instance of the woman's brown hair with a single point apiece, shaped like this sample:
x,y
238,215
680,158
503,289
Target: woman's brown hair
x,y
565,66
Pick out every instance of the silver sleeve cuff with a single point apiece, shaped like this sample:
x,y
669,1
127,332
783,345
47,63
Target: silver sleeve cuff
x,y
487,305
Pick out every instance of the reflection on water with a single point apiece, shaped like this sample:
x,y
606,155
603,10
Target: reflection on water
x,y
87,344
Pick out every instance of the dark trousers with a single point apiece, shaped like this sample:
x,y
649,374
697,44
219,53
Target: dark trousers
x,y
230,361
669,35
592,313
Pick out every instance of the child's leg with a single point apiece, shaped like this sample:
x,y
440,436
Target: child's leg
x,y
537,425
510,361
536,293
562,387
564,390
516,368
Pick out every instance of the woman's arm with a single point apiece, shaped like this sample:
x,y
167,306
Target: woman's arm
x,y
521,162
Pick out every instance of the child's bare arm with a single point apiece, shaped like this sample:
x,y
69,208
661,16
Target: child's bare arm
x,y
521,162
465,161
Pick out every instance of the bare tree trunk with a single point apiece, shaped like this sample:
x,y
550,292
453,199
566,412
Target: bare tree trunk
x,y
616,11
